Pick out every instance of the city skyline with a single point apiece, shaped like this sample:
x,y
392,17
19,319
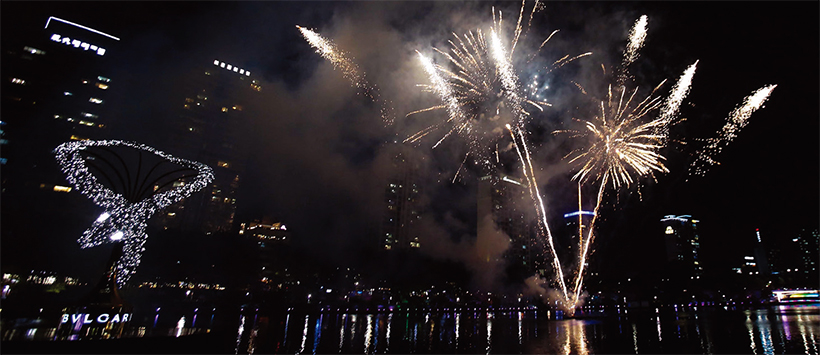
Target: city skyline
x,y
317,160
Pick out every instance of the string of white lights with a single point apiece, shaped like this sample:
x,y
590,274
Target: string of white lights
x,y
123,220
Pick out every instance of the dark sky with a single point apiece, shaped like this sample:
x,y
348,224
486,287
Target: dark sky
x,y
318,162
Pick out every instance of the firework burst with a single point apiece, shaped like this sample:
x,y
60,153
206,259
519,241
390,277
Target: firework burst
x,y
622,147
624,138
479,87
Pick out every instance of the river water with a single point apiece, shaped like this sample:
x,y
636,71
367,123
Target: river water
x,y
773,330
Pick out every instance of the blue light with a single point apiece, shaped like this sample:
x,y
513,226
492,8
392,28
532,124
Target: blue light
x,y
573,214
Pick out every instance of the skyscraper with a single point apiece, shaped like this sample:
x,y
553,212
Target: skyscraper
x,y
682,245
401,195
807,243
57,87
212,108
761,257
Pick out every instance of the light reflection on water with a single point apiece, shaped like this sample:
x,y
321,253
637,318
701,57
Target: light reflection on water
x,y
774,330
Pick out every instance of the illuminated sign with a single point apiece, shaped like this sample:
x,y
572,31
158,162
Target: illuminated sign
x,y
576,213
77,44
669,230
86,318
79,26
232,68
682,218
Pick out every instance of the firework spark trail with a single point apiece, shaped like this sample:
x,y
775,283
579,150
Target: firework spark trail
x,y
636,38
340,60
737,119
622,150
672,105
544,229
440,87
508,78
482,81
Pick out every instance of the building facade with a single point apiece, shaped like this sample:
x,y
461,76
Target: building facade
x,y
213,106
682,245
401,203
56,87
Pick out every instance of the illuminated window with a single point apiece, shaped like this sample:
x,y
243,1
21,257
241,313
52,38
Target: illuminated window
x,y
87,123
95,100
78,138
58,188
66,93
171,214
102,86
85,81
187,106
33,50
223,164
224,109
89,115
188,99
57,117
103,79
237,107
18,81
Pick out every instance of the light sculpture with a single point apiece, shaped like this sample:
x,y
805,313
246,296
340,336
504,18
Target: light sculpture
x,y
129,199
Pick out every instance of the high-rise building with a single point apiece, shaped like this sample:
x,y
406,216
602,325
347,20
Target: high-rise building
x,y
682,245
761,257
56,87
401,195
505,199
807,243
272,241
212,108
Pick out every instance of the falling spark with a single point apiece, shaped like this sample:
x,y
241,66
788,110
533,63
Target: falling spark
x,y
737,119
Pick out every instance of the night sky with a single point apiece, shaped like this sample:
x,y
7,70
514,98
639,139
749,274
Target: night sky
x,y
318,161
